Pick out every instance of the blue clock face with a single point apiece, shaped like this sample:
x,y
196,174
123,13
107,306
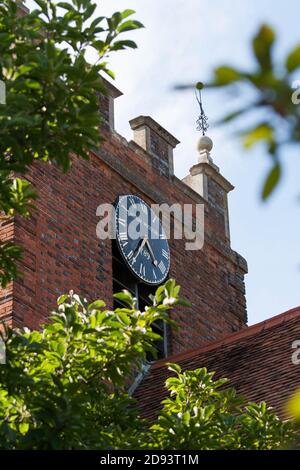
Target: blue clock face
x,y
141,240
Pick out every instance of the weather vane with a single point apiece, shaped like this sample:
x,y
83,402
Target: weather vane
x,y
202,121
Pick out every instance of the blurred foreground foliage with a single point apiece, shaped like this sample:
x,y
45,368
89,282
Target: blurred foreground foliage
x,y
275,101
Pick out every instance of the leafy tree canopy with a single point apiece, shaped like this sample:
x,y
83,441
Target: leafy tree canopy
x,y
52,93
65,387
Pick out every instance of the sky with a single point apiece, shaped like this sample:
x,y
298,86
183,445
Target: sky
x,y
182,42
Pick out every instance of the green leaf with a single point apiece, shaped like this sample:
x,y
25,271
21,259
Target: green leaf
x,y
186,417
120,45
272,180
129,26
262,132
293,405
23,428
9,254
124,317
96,305
262,47
42,4
65,6
226,75
125,296
62,299
127,12
174,368
293,59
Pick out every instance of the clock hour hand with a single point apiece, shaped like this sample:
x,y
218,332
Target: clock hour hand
x,y
140,247
154,261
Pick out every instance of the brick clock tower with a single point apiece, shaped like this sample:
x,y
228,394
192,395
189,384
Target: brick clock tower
x,y
62,251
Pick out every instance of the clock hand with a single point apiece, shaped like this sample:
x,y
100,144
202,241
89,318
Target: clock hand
x,y
154,261
141,247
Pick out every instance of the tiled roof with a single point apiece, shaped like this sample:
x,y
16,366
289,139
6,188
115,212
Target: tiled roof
x,y
257,360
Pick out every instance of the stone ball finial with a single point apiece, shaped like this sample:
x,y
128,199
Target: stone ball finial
x,y
205,143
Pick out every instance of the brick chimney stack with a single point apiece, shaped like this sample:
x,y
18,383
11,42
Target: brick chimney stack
x,y
107,107
156,141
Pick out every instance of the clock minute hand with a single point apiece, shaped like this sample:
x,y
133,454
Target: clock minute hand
x,y
154,261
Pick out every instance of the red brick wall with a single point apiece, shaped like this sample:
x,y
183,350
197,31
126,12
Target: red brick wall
x,y
62,251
